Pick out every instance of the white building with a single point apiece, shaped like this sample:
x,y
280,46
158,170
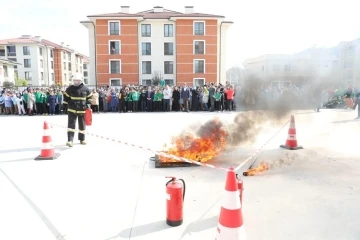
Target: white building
x,y
7,71
86,71
42,62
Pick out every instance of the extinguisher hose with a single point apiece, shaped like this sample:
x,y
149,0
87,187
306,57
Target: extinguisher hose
x,y
184,187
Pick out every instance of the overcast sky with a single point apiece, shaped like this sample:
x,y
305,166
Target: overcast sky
x,y
260,26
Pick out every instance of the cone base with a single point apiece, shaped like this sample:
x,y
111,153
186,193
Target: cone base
x,y
174,223
291,148
48,158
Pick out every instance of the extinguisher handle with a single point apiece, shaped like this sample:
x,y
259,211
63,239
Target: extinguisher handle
x,y
184,187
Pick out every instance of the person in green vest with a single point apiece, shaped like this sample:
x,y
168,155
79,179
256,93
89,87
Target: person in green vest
x,y
162,83
38,101
218,97
158,96
44,101
135,97
130,101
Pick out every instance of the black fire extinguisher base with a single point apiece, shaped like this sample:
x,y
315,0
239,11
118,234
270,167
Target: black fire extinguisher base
x,y
174,223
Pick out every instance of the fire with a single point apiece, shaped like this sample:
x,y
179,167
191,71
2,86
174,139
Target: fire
x,y
209,144
263,166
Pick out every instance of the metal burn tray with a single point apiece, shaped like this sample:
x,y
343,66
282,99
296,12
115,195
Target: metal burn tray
x,y
160,164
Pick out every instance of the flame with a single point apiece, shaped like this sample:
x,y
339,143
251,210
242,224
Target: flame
x,y
263,166
198,148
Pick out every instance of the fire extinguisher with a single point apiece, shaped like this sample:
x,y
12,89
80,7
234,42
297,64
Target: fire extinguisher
x,y
175,195
88,116
240,187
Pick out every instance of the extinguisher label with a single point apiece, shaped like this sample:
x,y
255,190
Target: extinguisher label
x,y
168,196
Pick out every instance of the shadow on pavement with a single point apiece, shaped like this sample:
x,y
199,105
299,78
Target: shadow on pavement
x,y
142,230
347,121
200,225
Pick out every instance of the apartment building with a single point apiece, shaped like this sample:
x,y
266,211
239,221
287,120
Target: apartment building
x,y
179,47
7,71
86,69
43,62
348,54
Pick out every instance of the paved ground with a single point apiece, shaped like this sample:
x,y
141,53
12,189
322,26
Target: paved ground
x,y
109,191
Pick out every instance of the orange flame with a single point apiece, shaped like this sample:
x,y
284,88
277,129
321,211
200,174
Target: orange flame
x,y
201,149
263,166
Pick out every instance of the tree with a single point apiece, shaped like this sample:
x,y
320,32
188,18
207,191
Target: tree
x,y
7,84
156,78
19,82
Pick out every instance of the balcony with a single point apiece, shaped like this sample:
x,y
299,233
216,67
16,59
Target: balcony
x,y
11,54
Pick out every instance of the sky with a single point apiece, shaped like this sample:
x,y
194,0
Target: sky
x,y
260,26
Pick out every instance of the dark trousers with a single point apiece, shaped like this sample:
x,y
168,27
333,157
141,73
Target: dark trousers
x,y
229,105
149,105
71,126
52,109
176,105
143,105
95,108
186,104
166,105
39,108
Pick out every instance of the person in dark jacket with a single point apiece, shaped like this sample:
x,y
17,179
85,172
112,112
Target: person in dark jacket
x,y
52,101
78,97
176,100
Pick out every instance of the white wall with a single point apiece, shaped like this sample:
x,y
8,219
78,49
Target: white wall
x,y
10,76
92,58
222,68
157,56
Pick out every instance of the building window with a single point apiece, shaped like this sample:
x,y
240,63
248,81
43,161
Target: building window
x,y
85,66
64,65
114,47
52,64
69,66
287,68
40,51
65,77
41,64
5,71
199,28
85,74
69,56
115,66
115,82
114,28
11,51
52,77
27,63
168,48
169,82
199,82
26,50
199,47
28,76
146,67
168,30
199,66
146,82
146,48
2,52
51,53
168,67
42,76
145,30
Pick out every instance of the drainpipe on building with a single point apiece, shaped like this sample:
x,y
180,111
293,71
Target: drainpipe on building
x,y
175,50
96,81
220,51
138,50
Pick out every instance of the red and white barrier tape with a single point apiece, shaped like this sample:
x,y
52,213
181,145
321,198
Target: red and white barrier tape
x,y
181,159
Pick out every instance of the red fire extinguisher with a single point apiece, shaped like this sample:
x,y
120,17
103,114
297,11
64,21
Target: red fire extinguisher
x,y
240,187
175,195
88,116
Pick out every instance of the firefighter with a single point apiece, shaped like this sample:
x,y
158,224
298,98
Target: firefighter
x,y
78,98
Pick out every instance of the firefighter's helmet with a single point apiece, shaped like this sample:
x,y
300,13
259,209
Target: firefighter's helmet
x,y
77,78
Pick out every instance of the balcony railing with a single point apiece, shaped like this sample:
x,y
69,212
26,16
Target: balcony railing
x,y
11,54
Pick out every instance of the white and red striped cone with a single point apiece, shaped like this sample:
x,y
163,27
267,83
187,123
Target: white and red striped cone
x,y
47,149
231,224
291,141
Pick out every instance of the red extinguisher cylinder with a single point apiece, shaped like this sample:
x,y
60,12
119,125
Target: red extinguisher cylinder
x,y
88,117
175,194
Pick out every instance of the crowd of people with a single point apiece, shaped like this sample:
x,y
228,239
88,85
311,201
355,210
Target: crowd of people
x,y
209,97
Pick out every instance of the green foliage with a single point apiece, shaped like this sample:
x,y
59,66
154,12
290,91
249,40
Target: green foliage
x,y
7,84
20,82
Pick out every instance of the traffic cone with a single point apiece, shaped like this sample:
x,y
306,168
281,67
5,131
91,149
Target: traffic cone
x,y
291,142
47,149
231,226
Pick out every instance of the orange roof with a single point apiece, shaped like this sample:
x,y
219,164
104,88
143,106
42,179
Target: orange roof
x,y
150,14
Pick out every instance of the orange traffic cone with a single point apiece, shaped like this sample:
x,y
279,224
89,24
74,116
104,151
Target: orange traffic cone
x,y
291,142
47,149
231,226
